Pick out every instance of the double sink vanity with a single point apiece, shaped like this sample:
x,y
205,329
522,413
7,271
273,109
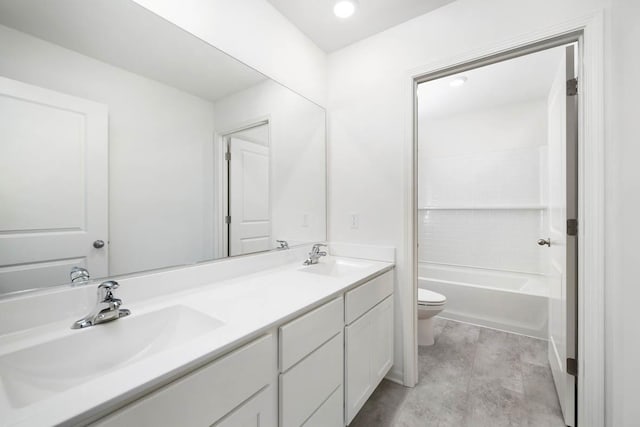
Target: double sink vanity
x,y
258,341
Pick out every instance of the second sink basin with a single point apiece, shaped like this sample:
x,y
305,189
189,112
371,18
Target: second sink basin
x,y
336,267
36,372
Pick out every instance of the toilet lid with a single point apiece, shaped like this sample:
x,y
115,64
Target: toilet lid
x,y
426,297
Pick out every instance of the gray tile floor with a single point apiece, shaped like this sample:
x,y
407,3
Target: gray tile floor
x,y
471,377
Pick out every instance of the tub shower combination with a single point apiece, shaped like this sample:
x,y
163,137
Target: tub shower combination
x,y
512,302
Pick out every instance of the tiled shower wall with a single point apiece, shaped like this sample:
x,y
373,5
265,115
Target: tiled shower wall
x,y
481,188
496,239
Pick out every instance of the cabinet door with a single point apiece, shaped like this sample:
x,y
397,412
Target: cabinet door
x,y
259,411
382,354
369,355
358,385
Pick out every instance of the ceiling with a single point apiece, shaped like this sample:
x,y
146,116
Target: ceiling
x,y
315,18
126,35
526,78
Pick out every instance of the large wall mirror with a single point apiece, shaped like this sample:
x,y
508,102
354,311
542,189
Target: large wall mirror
x,y
127,144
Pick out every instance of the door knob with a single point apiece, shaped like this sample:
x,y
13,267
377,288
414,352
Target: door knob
x,y
546,241
98,244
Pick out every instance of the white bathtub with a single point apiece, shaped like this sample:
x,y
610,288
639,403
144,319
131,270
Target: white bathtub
x,y
514,302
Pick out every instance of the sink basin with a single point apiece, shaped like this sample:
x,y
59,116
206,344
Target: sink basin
x,y
336,267
36,372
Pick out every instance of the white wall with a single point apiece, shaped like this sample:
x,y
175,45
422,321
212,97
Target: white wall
x,y
369,115
158,142
468,162
622,206
297,152
254,32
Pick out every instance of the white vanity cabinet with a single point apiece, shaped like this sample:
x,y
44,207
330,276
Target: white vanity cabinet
x,y
238,386
368,340
311,366
307,372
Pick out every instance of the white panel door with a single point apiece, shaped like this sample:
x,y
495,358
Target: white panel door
x,y
53,186
562,272
249,208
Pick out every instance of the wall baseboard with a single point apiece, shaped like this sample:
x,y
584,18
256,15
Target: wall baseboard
x,y
396,376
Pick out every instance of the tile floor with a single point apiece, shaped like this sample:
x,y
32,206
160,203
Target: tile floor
x,y
471,377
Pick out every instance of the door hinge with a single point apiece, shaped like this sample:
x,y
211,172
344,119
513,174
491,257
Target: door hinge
x,y
572,227
572,87
227,156
227,219
572,367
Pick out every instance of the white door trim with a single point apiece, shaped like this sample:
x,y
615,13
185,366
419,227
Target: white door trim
x,y
591,343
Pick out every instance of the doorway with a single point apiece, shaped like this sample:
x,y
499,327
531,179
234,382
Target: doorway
x,y
247,206
497,208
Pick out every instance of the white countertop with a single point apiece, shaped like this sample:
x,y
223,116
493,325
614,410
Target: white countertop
x,y
248,305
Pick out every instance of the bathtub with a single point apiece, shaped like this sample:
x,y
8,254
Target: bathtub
x,y
513,302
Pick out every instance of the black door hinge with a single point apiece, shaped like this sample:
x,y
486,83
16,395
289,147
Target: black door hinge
x,y
572,87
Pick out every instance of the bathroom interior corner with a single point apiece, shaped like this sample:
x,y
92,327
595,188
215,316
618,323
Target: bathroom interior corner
x,y
337,213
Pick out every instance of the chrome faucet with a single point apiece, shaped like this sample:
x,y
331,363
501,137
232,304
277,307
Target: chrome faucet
x,y
282,244
315,254
79,275
107,308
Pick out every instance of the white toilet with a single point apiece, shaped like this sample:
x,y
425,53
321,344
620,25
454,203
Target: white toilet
x,y
429,304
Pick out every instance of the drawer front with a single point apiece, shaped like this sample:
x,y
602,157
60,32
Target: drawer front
x,y
305,387
330,414
364,297
301,336
259,411
206,395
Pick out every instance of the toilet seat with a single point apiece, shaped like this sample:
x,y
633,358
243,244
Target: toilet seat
x,y
428,298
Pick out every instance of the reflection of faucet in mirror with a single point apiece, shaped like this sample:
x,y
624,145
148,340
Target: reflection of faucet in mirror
x,y
107,308
315,254
79,275
282,244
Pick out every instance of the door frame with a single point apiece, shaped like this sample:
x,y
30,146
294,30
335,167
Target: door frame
x,y
588,31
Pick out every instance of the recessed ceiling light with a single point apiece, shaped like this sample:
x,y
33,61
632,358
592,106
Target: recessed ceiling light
x,y
458,81
345,8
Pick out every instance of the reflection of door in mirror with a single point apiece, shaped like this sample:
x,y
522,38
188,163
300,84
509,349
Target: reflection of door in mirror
x,y
53,186
248,214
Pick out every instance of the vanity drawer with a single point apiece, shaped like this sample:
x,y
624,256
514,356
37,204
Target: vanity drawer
x,y
206,395
306,386
309,331
330,414
364,297
259,411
